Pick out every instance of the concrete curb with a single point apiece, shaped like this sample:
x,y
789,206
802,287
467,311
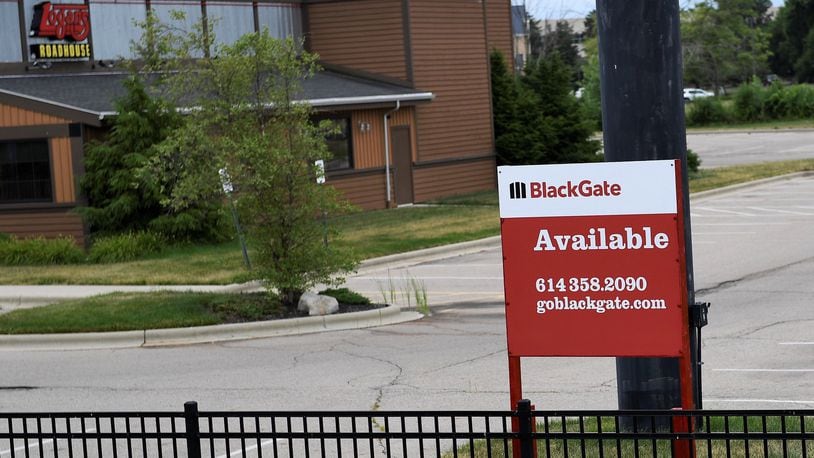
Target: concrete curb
x,y
32,295
749,131
429,254
207,334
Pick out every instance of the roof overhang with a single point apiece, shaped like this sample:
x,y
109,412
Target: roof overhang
x,y
372,100
51,107
89,98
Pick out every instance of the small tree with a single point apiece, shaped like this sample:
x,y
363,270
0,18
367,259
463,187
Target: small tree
x,y
591,99
247,122
120,198
537,120
514,141
560,41
724,41
564,131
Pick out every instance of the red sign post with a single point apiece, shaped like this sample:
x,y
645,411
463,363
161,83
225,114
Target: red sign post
x,y
593,263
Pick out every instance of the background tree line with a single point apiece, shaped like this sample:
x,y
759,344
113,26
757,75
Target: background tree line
x,y
726,44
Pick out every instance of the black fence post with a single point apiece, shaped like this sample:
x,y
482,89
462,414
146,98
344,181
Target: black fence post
x,y
193,432
526,427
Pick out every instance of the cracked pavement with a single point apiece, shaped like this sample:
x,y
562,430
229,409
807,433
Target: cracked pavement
x,y
754,261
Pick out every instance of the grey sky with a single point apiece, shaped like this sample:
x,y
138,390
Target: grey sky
x,y
559,9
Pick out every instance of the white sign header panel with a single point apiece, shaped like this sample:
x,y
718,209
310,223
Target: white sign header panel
x,y
591,189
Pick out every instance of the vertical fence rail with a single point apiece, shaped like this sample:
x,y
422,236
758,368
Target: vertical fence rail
x,y
192,429
526,441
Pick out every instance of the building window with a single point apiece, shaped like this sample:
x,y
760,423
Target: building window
x,y
339,144
25,172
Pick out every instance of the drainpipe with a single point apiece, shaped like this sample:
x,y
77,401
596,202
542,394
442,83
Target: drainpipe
x,y
387,149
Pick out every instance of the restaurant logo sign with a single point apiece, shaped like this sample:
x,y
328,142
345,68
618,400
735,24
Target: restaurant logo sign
x,y
59,32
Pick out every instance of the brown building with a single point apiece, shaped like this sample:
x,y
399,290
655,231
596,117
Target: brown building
x,y
407,80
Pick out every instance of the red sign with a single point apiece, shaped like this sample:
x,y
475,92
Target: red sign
x,y
593,259
61,21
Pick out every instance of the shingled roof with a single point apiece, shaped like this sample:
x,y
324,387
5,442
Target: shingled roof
x,y
90,96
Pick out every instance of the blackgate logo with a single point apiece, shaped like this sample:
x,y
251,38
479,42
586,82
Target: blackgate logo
x,y
543,190
517,190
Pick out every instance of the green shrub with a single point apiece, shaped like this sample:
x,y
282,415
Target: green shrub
x,y
788,102
125,247
346,296
693,162
749,99
801,101
778,103
706,111
39,251
245,307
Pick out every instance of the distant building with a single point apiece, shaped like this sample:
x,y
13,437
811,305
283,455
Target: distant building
x,y
417,69
520,31
577,26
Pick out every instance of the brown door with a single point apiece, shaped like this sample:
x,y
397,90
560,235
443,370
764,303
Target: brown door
x,y
402,164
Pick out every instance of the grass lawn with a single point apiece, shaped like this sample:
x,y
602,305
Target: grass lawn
x,y
762,125
705,180
643,447
159,310
371,234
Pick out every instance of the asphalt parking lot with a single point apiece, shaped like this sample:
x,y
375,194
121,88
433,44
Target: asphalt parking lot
x,y
754,258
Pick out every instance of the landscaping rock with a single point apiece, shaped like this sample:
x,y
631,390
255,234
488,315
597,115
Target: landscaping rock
x,y
316,304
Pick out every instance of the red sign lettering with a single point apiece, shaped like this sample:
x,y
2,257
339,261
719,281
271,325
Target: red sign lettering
x,y
61,21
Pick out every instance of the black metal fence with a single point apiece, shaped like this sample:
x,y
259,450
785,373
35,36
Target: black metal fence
x,y
519,433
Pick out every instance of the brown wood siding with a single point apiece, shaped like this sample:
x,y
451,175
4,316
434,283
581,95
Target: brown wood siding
x,y
364,190
433,182
450,60
499,27
368,147
49,223
62,170
365,34
11,116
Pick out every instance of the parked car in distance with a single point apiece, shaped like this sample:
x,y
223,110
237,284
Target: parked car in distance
x,y
695,93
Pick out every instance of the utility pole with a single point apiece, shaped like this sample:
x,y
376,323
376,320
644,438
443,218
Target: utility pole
x,y
643,119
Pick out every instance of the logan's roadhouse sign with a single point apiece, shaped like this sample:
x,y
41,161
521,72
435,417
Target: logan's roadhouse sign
x,y
59,32
593,259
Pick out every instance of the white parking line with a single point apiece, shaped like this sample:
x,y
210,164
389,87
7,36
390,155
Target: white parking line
x,y
730,212
777,210
763,370
725,233
427,278
466,266
768,223
23,447
36,444
763,401
242,451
